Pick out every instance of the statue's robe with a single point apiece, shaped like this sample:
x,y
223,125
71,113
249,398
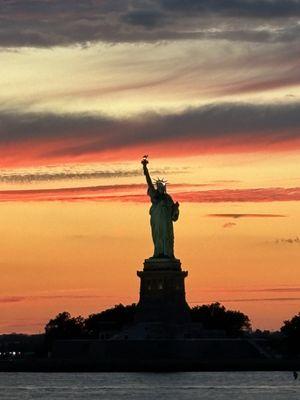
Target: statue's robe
x,y
163,212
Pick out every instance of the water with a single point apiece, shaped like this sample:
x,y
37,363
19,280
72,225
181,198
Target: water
x,y
146,386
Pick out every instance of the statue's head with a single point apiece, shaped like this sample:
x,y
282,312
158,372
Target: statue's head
x,y
161,185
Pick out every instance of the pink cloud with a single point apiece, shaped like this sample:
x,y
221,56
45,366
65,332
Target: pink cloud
x,y
137,193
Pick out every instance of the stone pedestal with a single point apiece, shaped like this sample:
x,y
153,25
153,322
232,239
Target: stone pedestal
x,y
162,293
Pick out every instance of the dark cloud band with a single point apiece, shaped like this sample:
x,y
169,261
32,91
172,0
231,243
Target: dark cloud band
x,y
227,127
47,23
238,8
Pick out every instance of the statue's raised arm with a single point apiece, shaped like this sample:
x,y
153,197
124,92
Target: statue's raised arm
x,y
146,173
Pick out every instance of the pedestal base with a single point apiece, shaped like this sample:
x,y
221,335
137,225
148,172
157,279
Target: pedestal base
x,y
162,293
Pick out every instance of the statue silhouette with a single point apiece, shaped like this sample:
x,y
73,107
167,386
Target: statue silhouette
x,y
163,212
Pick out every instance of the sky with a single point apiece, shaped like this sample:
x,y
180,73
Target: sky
x,y
210,90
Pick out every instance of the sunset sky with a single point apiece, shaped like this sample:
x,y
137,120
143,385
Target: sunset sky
x,y
210,90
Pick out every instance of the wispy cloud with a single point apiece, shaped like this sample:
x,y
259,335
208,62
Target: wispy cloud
x,y
249,300
229,225
285,289
295,240
69,173
20,299
279,289
242,195
137,193
266,299
11,299
247,215
257,295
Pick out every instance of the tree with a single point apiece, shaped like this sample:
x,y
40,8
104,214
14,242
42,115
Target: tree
x,y
291,332
212,316
63,326
215,316
112,318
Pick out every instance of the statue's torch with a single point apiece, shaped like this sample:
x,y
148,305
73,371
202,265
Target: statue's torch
x,y
145,160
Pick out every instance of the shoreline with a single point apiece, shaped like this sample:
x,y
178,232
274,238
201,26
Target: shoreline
x,y
65,365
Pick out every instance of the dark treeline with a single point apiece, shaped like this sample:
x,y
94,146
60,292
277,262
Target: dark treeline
x,y
212,317
106,323
215,316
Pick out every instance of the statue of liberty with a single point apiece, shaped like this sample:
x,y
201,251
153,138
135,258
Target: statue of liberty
x,y
163,212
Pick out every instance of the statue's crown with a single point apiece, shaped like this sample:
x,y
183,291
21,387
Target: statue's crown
x,y
159,181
